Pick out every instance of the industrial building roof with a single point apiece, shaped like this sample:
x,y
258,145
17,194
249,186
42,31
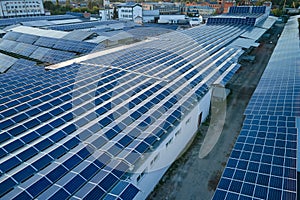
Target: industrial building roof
x,y
77,131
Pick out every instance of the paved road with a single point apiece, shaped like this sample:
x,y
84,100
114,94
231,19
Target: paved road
x,y
194,178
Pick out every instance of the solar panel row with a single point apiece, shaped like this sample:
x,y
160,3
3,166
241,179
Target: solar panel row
x,y
23,68
59,44
239,9
12,21
84,25
250,21
247,9
33,51
6,62
66,45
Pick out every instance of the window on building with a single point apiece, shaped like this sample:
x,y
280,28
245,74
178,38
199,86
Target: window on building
x,y
188,121
141,175
154,160
169,142
177,133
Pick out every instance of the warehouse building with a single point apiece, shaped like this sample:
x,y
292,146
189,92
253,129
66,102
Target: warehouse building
x,y
110,123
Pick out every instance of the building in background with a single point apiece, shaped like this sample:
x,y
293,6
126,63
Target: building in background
x,y
150,16
106,3
15,8
130,11
218,6
227,5
106,14
196,10
165,8
172,19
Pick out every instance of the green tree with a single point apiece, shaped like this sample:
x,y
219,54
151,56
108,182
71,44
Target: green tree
x,y
95,10
75,10
67,3
49,5
90,4
277,12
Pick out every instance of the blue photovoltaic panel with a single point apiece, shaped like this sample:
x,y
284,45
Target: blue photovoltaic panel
x,y
17,20
12,36
45,42
83,25
26,38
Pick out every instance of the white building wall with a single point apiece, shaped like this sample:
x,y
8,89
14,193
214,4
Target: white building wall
x,y
171,18
11,8
148,19
137,12
125,13
106,14
130,13
157,163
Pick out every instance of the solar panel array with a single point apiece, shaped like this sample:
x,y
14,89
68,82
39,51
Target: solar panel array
x,y
35,52
250,21
55,56
247,9
12,21
7,45
26,38
79,130
262,164
236,15
74,46
145,32
24,49
48,50
239,9
12,36
78,35
84,25
6,62
66,45
23,68
258,9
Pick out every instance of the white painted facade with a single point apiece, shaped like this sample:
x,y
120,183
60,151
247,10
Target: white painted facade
x,y
15,8
171,19
130,11
156,163
106,14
